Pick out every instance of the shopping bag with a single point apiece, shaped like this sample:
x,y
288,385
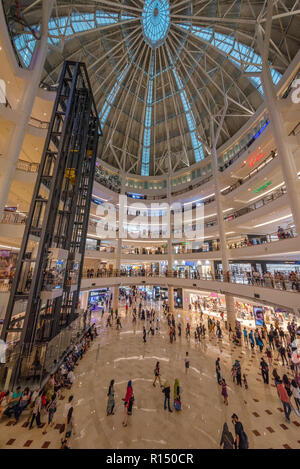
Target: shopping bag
x,y
177,404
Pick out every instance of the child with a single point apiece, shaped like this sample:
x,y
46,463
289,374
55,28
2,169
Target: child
x,y
245,381
187,362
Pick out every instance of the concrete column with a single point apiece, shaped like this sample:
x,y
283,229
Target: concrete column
x,y
230,308
14,144
118,254
221,223
171,234
220,215
212,266
115,302
170,257
171,298
281,139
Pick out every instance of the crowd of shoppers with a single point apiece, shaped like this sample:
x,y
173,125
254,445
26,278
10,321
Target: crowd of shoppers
x,y
40,403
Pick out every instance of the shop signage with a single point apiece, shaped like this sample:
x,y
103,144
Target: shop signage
x,y
256,159
257,191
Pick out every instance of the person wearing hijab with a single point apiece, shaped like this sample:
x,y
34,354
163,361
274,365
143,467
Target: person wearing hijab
x,y
227,439
177,399
176,390
128,401
111,399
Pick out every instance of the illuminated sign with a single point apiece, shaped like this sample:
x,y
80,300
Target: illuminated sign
x,y
256,159
257,191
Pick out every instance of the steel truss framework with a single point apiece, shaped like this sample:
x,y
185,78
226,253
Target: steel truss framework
x,y
211,44
56,227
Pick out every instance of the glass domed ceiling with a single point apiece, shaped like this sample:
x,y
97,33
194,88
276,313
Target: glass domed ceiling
x,y
161,70
156,21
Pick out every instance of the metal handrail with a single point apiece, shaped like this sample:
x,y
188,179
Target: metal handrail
x,y
37,123
278,282
27,166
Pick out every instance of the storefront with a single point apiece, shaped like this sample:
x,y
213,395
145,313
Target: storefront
x,y
250,314
97,298
192,269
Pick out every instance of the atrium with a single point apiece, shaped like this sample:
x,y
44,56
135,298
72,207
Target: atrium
x,y
149,220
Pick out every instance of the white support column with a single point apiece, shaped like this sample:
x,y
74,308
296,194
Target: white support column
x,y
118,252
230,309
171,235
115,302
14,144
218,198
222,231
171,298
280,135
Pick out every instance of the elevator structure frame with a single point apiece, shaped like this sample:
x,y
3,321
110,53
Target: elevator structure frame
x,y
45,290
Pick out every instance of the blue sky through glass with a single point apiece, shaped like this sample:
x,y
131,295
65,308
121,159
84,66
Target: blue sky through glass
x,y
237,52
147,130
156,21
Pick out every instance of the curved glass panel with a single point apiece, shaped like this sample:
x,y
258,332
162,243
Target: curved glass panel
x,y
156,21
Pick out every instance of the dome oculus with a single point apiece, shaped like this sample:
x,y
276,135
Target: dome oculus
x,y
156,21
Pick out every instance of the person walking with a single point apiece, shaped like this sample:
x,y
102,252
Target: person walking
x,y
283,396
218,370
238,373
296,393
264,370
36,411
166,390
224,391
282,351
269,355
251,338
245,381
111,399
128,402
51,409
259,342
245,335
144,334
69,426
157,374
186,362
241,439
287,385
227,439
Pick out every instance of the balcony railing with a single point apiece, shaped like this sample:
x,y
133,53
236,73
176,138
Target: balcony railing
x,y
27,166
253,173
12,218
280,281
37,123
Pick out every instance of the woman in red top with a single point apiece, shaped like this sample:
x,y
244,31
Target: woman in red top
x,y
128,400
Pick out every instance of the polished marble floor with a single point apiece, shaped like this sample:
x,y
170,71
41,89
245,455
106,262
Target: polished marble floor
x,y
122,355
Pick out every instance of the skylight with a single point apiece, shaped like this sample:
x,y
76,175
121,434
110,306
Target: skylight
x,y
64,27
103,115
238,53
147,130
197,146
156,21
